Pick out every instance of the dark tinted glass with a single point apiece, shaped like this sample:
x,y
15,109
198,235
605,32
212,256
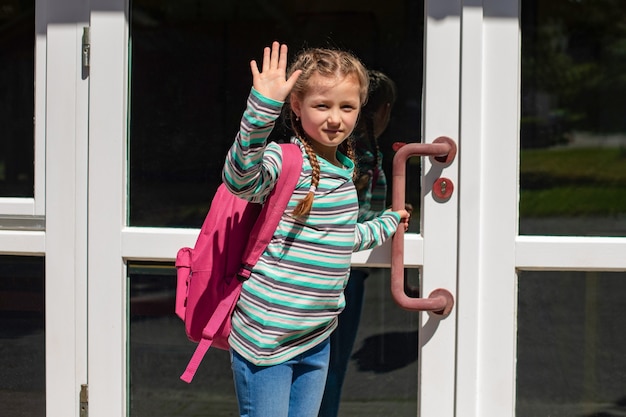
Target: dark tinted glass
x,y
22,337
570,345
17,80
190,77
573,129
159,351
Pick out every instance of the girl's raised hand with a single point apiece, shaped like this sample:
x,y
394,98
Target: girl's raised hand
x,y
271,80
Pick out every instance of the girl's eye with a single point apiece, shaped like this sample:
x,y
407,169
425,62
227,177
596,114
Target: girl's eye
x,y
322,106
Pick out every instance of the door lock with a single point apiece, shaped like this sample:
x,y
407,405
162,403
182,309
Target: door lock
x,y
443,188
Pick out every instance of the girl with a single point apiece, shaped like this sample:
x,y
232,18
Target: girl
x,y
289,306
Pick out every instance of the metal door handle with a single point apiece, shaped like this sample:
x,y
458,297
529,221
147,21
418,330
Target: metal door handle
x,y
442,151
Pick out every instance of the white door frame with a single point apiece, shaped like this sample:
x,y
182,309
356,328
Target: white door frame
x,y
440,115
107,208
52,224
486,345
66,119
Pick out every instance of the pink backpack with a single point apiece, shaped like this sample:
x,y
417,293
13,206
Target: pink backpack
x,y
210,275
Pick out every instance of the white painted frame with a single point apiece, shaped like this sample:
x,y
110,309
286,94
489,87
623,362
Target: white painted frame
x,y
66,120
61,173
486,345
437,337
106,269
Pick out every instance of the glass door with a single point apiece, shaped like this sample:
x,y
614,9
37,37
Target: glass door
x,y
161,119
541,236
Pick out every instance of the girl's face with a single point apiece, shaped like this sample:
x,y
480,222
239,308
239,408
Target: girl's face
x,y
328,112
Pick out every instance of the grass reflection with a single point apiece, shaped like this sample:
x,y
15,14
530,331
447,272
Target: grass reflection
x,y
573,182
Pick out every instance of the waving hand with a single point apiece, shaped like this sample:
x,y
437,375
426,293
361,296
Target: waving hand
x,y
271,80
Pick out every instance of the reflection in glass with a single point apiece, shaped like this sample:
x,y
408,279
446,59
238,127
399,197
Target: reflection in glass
x,y
570,345
190,78
17,79
22,337
381,378
573,129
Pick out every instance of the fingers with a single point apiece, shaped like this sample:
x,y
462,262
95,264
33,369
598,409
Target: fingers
x,y
254,68
266,59
406,218
293,78
269,80
275,55
405,222
282,58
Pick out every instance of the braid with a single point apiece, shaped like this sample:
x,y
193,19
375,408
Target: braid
x,y
348,148
304,206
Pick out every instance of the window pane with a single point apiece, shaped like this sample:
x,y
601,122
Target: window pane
x,y
382,373
570,343
573,129
22,337
159,351
190,77
17,79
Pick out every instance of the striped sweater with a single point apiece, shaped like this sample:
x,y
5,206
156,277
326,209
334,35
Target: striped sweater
x,y
295,292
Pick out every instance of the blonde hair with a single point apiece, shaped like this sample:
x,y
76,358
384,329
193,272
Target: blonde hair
x,y
327,63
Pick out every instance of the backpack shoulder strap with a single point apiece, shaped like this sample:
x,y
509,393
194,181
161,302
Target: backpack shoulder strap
x,y
274,207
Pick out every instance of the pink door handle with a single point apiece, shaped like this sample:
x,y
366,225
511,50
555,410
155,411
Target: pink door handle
x,y
440,301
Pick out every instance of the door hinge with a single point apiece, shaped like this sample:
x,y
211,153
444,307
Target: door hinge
x,y
86,51
84,400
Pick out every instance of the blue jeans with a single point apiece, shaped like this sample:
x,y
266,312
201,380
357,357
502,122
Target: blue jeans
x,y
342,342
290,389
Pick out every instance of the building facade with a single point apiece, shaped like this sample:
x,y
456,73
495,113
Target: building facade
x,y
115,120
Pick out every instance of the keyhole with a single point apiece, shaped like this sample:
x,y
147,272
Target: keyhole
x,y
442,189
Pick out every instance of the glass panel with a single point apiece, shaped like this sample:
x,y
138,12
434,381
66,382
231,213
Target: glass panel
x,y
22,337
17,80
159,351
381,378
190,78
570,359
573,130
